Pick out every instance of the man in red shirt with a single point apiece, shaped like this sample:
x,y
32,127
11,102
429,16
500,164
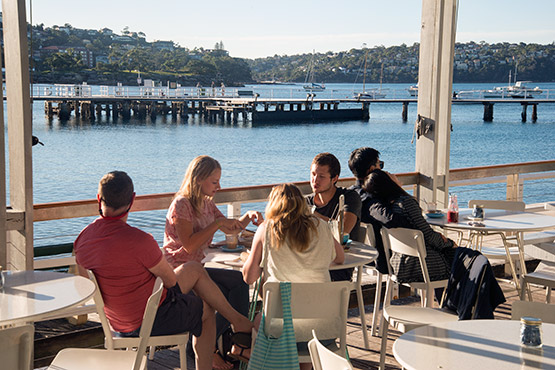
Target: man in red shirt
x,y
126,262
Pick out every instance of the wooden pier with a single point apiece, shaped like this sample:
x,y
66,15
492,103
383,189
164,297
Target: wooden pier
x,y
231,109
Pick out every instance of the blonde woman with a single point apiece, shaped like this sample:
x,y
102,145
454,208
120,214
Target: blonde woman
x,y
191,222
291,245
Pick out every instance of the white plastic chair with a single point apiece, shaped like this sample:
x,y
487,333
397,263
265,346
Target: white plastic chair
x,y
324,359
404,318
100,359
370,239
543,311
510,250
111,341
544,275
16,345
314,306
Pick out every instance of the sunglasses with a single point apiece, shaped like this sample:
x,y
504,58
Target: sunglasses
x,y
381,164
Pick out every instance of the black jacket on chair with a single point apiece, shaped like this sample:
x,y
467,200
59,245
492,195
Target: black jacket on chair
x,y
472,284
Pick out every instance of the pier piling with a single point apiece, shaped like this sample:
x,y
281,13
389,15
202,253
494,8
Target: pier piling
x,y
405,113
523,114
488,112
534,113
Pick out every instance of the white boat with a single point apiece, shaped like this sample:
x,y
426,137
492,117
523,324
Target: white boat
x,y
372,93
313,86
495,93
520,90
310,85
413,90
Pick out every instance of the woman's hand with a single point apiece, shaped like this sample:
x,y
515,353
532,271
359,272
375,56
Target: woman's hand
x,y
252,216
230,225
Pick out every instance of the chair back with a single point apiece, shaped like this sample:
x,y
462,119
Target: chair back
x,y
408,242
507,205
370,238
148,318
543,311
324,359
319,306
17,347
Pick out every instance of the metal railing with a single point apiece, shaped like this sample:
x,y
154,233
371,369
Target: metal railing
x,y
513,176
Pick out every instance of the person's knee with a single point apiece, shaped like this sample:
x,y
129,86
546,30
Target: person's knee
x,y
190,269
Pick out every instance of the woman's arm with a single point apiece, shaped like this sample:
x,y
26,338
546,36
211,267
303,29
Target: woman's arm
x,y
339,252
251,268
190,241
432,238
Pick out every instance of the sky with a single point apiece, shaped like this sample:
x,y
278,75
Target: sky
x,y
253,29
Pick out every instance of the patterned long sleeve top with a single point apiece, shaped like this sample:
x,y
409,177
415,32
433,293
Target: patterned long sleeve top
x,y
440,253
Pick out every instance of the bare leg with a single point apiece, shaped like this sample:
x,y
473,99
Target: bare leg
x,y
192,276
306,366
204,345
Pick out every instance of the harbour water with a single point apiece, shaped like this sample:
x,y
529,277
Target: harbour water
x,y
155,153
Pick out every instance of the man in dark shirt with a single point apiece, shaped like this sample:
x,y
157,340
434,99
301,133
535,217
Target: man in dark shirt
x,y
362,161
324,173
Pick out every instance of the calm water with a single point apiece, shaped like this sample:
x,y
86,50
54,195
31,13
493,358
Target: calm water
x,y
156,153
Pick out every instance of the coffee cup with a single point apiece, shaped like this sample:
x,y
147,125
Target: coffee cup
x,y
231,241
431,207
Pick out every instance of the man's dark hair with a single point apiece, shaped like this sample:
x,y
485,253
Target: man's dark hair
x,y
361,160
116,189
328,159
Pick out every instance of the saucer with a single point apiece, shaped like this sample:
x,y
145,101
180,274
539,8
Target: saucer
x,y
470,218
239,248
435,214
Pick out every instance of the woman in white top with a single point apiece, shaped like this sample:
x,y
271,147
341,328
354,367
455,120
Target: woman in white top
x,y
292,244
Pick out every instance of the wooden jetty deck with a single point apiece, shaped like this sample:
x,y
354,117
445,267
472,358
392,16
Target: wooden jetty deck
x,y
254,108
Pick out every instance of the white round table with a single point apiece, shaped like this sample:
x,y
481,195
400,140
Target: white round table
x,y
473,344
30,295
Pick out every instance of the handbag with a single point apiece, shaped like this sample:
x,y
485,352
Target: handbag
x,y
271,353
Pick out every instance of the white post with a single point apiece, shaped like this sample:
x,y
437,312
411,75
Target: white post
x,y
3,249
435,83
19,247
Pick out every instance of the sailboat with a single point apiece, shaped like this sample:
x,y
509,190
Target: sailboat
x,y
310,85
372,93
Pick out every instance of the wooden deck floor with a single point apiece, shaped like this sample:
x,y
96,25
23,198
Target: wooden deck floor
x,y
361,358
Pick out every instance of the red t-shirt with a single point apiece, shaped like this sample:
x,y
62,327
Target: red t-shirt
x,y
120,256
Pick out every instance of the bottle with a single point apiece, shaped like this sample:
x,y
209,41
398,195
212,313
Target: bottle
x,y
530,332
453,210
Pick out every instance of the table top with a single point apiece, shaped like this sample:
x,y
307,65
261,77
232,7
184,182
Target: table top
x,y
473,344
359,254
498,220
30,295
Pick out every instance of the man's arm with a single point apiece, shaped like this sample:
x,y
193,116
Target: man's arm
x,y
164,271
352,210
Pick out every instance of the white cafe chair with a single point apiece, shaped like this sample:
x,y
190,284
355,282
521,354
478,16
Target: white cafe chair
x,y
112,341
509,251
324,359
370,240
321,307
543,311
16,345
404,318
100,359
543,275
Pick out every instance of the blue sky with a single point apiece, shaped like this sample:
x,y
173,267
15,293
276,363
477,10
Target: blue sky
x,y
263,28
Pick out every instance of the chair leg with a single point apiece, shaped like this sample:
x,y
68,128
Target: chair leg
x,y
151,352
384,327
360,300
377,299
523,288
548,294
183,355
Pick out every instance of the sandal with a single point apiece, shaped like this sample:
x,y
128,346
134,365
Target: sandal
x,y
242,340
228,365
240,356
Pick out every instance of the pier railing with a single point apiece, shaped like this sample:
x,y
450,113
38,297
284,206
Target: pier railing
x,y
513,176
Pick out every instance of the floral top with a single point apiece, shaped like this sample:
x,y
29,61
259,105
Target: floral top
x,y
182,208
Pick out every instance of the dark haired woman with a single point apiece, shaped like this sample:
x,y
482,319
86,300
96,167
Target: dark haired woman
x,y
405,212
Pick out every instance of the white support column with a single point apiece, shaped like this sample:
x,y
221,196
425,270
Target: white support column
x,y
435,83
19,242
3,249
